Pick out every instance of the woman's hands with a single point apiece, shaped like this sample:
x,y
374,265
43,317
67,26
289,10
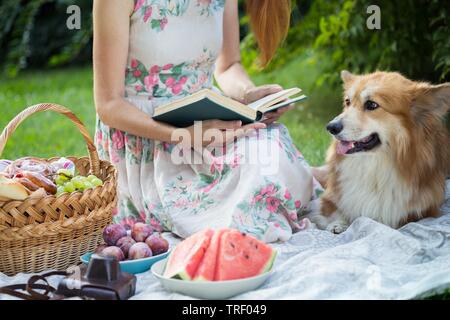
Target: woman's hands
x,y
271,117
214,133
255,93
252,93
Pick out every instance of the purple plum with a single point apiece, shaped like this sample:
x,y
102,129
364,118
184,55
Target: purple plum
x,y
157,243
113,251
125,244
127,227
141,231
112,233
139,250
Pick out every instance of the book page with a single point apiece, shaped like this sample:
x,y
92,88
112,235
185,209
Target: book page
x,y
283,104
261,102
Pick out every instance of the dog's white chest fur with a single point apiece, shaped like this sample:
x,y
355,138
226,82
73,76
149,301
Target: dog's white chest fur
x,y
371,187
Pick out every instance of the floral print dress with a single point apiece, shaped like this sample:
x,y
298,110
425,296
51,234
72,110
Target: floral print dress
x,y
172,51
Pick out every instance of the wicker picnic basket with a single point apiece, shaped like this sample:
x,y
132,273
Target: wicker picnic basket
x,y
53,232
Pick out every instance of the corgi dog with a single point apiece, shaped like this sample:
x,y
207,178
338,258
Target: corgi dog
x,y
390,154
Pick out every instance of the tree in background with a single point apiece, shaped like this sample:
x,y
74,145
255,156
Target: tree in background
x,y
33,34
414,37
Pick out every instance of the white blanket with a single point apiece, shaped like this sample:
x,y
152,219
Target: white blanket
x,y
368,261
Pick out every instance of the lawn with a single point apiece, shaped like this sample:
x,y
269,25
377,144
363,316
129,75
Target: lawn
x,y
47,134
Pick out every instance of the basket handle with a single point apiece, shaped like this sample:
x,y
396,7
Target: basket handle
x,y
14,123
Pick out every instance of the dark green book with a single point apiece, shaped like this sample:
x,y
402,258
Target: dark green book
x,y
208,104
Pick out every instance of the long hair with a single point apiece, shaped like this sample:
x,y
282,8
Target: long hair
x,y
269,21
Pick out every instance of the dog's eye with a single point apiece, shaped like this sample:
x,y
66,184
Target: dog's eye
x,y
370,105
347,102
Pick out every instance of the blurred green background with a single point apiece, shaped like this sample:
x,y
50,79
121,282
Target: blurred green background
x,y
42,61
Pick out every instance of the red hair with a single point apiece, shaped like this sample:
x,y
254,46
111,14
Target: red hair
x,y
269,21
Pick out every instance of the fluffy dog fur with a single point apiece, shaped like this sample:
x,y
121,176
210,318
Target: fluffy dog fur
x,y
402,178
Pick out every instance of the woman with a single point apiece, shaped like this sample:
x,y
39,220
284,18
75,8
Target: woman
x,y
149,52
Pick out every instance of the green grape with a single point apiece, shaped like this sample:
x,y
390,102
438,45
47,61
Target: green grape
x,y
69,187
91,178
59,191
65,172
88,185
78,183
96,182
60,180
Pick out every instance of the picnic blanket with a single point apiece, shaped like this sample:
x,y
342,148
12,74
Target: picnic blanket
x,y
368,261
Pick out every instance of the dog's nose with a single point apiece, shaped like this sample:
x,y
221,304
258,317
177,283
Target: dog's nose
x,y
334,127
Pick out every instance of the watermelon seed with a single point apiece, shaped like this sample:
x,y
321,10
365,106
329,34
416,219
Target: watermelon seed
x,y
246,256
232,245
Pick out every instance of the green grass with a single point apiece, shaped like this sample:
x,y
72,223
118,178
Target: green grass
x,y
307,121
442,296
47,134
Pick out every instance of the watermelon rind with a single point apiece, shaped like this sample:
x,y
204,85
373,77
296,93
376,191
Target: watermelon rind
x,y
183,276
180,275
269,264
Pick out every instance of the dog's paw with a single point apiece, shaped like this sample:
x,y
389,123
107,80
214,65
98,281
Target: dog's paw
x,y
337,227
318,221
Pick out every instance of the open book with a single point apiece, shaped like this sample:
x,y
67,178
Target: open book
x,y
207,104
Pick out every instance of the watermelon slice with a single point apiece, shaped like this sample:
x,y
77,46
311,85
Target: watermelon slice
x,y
220,255
242,256
184,260
207,268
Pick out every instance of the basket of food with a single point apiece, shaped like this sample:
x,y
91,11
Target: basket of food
x,y
52,211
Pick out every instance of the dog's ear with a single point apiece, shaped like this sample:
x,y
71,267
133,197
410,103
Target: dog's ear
x,y
431,99
347,76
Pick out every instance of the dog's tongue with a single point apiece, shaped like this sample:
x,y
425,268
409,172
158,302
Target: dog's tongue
x,y
344,146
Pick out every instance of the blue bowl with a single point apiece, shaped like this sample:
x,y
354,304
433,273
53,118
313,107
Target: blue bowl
x,y
132,266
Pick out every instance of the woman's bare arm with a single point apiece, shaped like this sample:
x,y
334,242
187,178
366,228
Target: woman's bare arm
x,y
230,74
111,36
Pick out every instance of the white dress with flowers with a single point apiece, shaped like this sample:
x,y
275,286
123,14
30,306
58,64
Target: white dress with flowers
x,y
172,51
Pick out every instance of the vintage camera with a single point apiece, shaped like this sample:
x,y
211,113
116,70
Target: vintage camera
x,y
101,279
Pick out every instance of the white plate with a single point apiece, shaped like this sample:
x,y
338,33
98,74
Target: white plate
x,y
208,289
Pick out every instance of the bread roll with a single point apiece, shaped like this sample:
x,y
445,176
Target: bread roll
x,y
12,190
